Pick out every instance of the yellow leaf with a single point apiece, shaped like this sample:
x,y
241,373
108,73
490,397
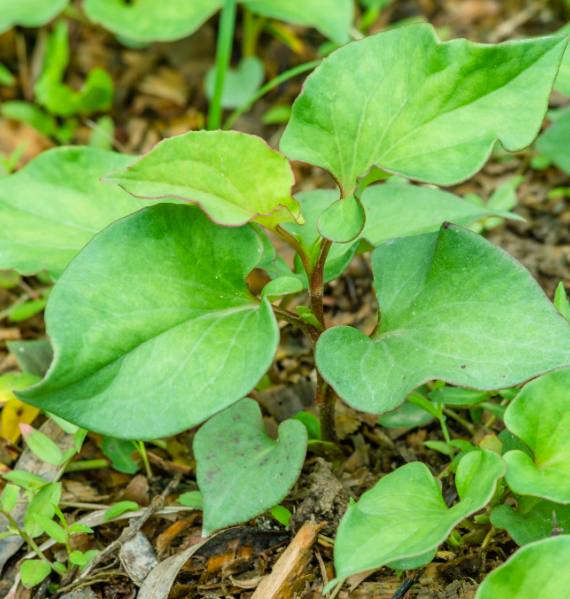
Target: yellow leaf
x,y
14,411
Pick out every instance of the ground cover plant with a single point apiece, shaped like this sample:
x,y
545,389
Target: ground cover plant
x,y
157,322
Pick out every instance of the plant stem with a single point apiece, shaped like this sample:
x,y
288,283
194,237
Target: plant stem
x,y
292,241
24,536
264,89
294,320
141,448
82,465
223,56
317,283
250,33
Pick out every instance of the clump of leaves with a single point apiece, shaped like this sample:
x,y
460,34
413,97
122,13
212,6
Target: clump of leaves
x,y
43,514
153,318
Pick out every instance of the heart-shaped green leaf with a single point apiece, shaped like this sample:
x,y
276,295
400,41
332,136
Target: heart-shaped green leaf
x,y
232,176
154,318
532,520
343,220
241,470
52,207
535,571
398,210
411,104
540,416
554,143
239,84
453,307
28,13
333,18
150,21
404,515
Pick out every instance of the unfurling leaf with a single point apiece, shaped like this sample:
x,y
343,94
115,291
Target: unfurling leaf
x,y
452,307
429,110
241,471
154,317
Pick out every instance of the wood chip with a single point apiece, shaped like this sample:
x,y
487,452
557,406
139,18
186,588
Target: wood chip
x,y
280,584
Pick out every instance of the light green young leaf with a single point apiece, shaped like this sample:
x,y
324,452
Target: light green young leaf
x,y
233,177
281,286
561,301
532,520
26,480
43,503
536,570
51,528
333,18
342,221
149,21
540,416
240,84
9,497
41,445
404,515
34,571
429,110
120,508
52,207
554,143
28,13
192,499
154,316
444,315
399,210
241,471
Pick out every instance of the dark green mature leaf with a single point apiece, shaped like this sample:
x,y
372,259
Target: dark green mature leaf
x,y
453,307
554,143
241,470
540,416
232,176
333,18
532,520
404,515
52,207
411,104
535,571
149,21
153,326
28,13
